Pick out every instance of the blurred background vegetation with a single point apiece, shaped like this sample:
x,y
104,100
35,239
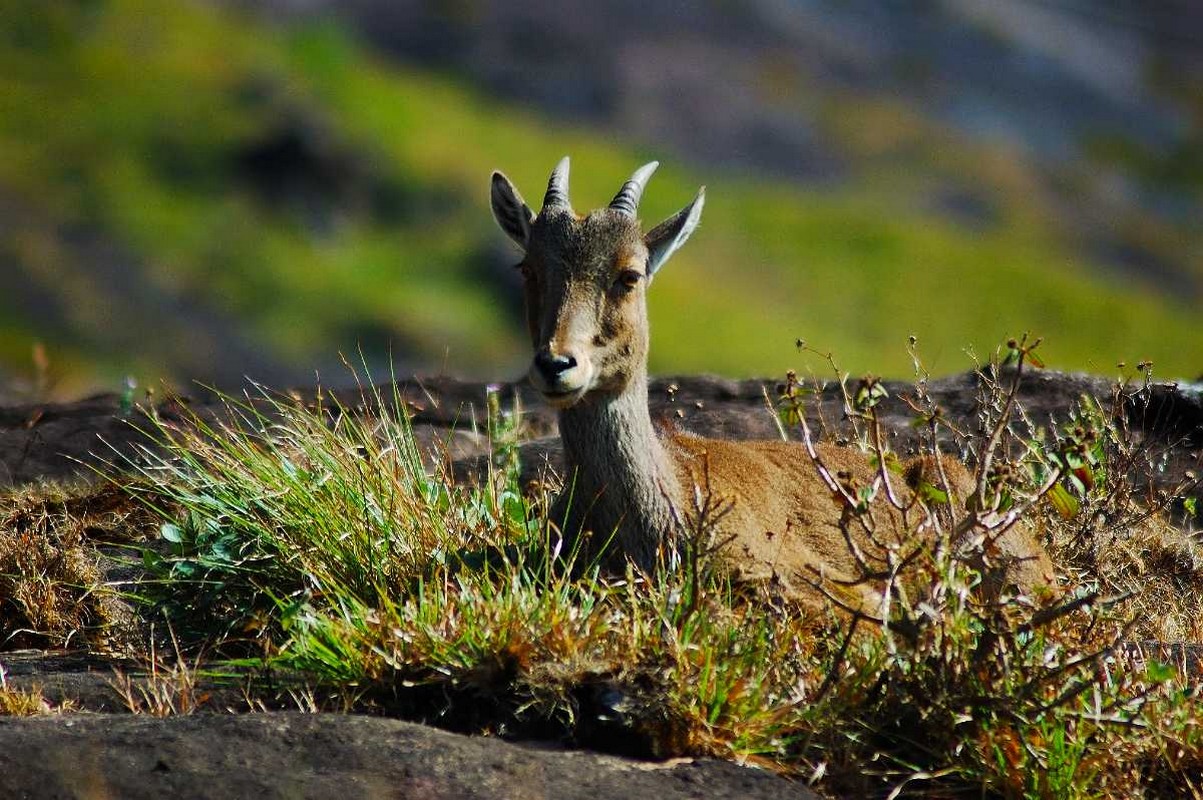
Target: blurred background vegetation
x,y
211,190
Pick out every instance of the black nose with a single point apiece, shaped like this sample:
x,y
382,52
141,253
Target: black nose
x,y
552,366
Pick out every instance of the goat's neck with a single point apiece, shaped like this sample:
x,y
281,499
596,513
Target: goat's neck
x,y
624,479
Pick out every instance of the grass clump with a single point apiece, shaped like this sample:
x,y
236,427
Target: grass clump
x,y
284,504
31,702
319,539
52,590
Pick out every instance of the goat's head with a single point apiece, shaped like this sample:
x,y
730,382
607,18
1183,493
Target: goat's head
x,y
585,278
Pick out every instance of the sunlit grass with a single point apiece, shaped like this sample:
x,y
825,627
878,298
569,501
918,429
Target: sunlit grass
x,y
30,702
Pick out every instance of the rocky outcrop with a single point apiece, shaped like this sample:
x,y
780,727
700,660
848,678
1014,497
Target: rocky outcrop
x,y
298,755
54,440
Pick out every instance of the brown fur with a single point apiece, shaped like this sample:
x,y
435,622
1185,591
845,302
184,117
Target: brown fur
x,y
784,524
642,492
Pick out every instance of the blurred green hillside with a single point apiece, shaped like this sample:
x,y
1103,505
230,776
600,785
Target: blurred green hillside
x,y
188,193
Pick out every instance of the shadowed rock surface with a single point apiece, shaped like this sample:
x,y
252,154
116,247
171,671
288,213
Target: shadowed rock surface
x,y
295,755
40,441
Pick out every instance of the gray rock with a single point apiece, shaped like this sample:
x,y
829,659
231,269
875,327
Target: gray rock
x,y
294,755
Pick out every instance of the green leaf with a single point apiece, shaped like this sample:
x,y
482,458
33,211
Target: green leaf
x,y
893,464
869,394
1063,501
790,415
152,561
932,494
220,551
1006,500
864,497
171,532
1157,672
185,569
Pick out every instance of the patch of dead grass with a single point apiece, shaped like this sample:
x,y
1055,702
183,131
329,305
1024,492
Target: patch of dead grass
x,y
53,592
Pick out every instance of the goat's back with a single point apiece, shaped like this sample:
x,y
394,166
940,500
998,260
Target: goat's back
x,y
779,521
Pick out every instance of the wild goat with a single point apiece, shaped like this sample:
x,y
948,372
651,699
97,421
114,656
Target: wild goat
x,y
772,512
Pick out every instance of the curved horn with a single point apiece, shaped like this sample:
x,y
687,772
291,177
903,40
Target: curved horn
x,y
627,199
557,187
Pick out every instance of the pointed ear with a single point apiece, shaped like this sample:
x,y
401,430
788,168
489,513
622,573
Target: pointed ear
x,y
664,239
513,215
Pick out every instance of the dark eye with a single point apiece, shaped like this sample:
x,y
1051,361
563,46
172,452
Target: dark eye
x,y
628,279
